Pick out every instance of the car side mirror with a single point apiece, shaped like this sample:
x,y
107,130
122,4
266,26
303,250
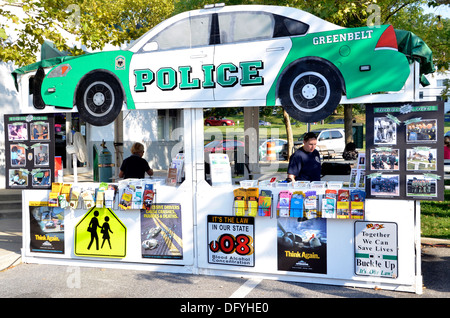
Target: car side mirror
x,y
151,46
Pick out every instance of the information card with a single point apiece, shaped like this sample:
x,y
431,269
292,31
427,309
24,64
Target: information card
x,y
376,249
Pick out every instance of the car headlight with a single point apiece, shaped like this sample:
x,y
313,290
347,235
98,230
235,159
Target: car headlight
x,y
59,71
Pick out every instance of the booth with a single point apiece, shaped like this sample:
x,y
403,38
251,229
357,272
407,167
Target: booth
x,y
364,232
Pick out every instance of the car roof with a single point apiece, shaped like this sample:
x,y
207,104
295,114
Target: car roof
x,y
316,24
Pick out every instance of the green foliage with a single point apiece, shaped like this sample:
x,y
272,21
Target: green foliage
x,y
94,24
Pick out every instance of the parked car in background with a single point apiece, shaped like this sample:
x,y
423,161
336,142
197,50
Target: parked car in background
x,y
332,139
217,121
224,146
264,123
279,145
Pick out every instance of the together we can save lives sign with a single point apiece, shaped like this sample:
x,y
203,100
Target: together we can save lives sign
x,y
230,240
376,249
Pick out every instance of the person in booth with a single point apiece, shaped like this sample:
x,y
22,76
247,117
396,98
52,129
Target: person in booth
x,y
135,166
304,164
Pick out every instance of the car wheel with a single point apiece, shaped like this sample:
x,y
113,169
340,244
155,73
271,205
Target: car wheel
x,y
310,91
99,99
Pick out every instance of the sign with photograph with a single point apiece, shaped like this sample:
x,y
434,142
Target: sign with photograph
x,y
161,231
302,246
46,228
29,151
231,240
405,151
376,249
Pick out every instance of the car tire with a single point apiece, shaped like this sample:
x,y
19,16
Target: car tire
x,y
310,91
99,99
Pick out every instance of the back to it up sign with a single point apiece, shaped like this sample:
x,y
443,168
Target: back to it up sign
x,y
376,249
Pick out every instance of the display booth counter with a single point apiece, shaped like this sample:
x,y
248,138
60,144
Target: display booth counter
x,y
209,235
127,237
377,251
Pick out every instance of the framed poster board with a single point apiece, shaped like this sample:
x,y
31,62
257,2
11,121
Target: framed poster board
x,y
405,151
29,151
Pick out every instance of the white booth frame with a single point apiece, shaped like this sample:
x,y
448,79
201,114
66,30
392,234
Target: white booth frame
x,y
198,200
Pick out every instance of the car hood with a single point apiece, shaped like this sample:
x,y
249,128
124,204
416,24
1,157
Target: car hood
x,y
44,64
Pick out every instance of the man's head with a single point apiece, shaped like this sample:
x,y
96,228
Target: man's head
x,y
309,142
137,149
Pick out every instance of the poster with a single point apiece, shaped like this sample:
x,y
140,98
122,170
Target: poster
x,y
161,231
302,246
46,229
231,240
376,249
29,151
405,151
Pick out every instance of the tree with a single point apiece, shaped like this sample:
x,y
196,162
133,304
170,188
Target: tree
x,y
94,24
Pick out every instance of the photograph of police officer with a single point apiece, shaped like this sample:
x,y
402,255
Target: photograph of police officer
x,y
385,131
421,158
422,130
420,186
384,159
385,185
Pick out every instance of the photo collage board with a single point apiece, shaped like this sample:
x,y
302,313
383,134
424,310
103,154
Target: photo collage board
x,y
405,151
29,151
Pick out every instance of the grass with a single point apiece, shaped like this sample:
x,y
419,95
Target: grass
x,y
435,218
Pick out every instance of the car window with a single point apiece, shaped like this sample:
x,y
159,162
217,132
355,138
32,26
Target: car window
x,y
187,33
336,135
245,26
289,27
325,135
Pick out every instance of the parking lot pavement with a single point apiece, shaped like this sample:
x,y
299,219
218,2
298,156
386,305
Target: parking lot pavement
x,y
35,280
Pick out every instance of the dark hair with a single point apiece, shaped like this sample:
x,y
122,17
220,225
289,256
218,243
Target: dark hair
x,y
309,135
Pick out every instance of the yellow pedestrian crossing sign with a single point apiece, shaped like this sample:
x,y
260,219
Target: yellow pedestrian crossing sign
x,y
100,233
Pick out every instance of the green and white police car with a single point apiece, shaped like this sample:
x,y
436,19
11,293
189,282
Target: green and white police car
x,y
230,56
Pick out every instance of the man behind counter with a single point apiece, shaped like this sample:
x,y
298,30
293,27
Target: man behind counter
x,y
304,164
135,166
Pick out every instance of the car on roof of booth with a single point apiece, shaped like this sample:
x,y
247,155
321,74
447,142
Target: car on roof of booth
x,y
245,55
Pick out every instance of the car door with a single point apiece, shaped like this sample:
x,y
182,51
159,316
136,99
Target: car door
x,y
170,66
325,139
248,58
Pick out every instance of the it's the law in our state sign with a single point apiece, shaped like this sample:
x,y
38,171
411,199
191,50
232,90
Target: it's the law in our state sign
x,y
376,249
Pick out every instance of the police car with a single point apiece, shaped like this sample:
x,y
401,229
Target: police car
x,y
230,56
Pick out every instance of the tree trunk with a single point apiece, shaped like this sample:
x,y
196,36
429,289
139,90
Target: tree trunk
x,y
290,137
348,120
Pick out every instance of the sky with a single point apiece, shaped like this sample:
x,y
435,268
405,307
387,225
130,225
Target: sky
x,y
443,10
